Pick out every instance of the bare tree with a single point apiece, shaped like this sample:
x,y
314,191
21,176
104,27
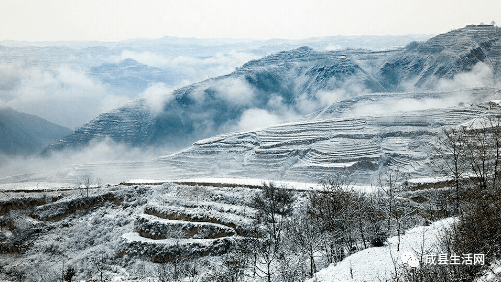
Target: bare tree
x,y
477,230
164,272
390,183
235,264
448,159
99,264
305,234
85,181
273,204
349,219
483,150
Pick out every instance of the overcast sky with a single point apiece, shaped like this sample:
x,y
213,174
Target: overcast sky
x,y
112,20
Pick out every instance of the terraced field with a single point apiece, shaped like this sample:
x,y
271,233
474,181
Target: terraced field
x,y
126,224
174,229
362,135
317,149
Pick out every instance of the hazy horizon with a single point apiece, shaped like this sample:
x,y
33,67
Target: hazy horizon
x,y
113,20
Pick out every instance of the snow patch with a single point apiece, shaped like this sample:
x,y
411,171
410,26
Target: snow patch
x,y
425,180
135,237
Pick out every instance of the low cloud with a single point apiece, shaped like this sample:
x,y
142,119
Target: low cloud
x,y
61,164
482,75
333,47
450,93
10,75
70,96
235,91
157,95
65,95
324,98
193,68
286,112
256,118
278,111
327,98
396,105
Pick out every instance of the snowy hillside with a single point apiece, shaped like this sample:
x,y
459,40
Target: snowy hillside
x,y
282,86
128,232
443,56
361,136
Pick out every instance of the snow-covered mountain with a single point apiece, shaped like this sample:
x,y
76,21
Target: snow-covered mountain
x,y
330,112
361,136
286,80
131,124
288,85
130,76
443,56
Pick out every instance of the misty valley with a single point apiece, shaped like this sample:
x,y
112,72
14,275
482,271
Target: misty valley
x,y
361,158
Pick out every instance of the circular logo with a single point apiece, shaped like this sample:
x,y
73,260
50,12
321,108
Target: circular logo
x,y
410,259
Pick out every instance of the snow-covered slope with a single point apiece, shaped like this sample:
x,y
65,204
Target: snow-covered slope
x,y
361,136
131,124
378,263
286,80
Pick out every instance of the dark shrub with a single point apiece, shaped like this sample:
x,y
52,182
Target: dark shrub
x,y
379,240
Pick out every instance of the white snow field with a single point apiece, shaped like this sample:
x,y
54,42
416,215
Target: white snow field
x,y
378,263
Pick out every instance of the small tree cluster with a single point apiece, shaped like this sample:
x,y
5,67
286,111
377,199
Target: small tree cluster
x,y
86,180
347,219
177,271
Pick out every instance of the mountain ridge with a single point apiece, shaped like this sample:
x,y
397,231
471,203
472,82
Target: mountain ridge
x,y
299,82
